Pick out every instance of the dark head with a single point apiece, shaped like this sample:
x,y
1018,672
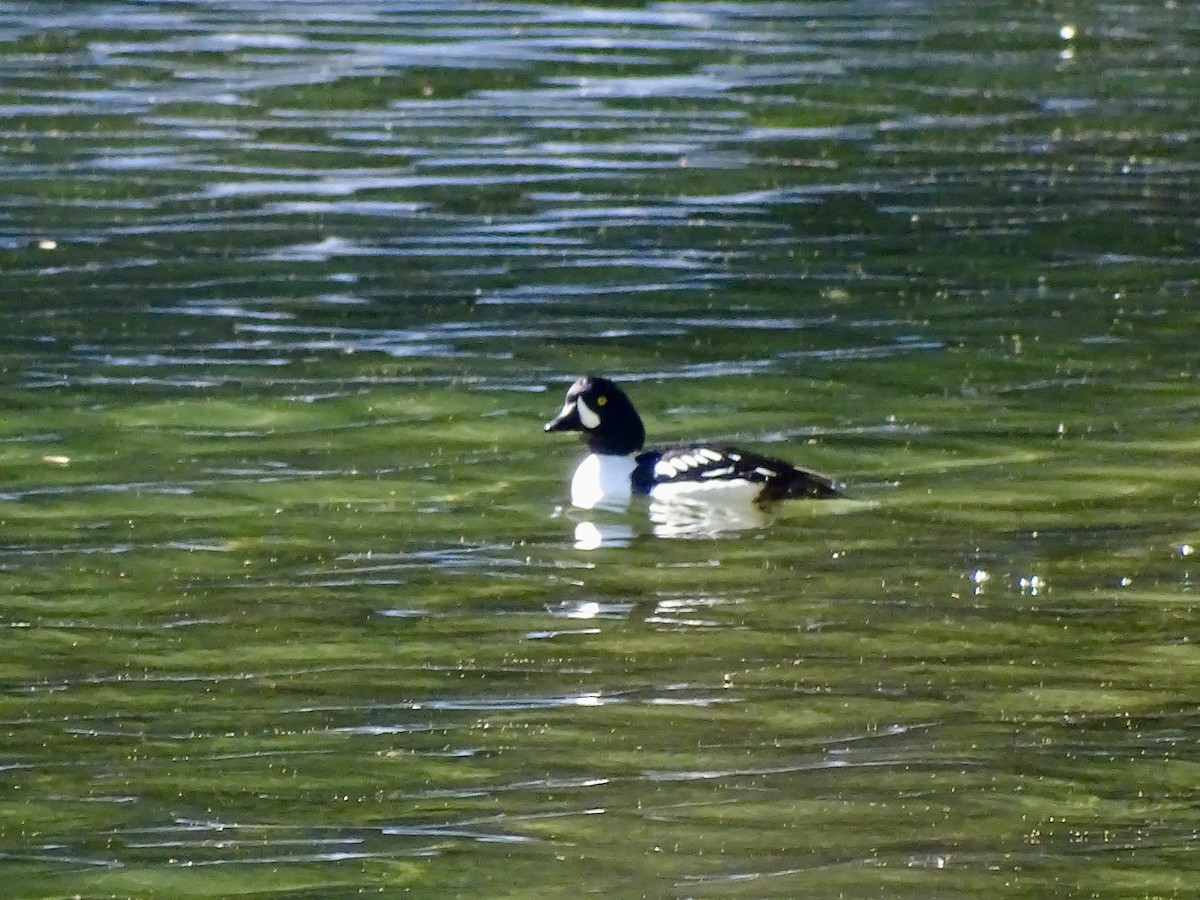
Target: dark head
x,y
603,414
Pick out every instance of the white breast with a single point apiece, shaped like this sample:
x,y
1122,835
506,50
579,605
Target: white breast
x,y
602,480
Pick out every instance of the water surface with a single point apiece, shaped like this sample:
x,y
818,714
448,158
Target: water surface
x,y
293,605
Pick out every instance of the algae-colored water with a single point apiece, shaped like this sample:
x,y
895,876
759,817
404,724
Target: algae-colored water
x,y
293,606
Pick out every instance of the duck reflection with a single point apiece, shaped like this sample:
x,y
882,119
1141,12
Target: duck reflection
x,y
698,518
608,528
596,535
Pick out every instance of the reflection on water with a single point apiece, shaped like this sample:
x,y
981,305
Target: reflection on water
x,y
684,518
414,154
667,519
687,518
593,536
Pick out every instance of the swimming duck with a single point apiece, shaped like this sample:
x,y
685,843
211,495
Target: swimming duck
x,y
617,467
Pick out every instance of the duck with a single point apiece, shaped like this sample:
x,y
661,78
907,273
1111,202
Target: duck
x,y
618,468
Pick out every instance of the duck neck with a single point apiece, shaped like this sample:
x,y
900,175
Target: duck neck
x,y
617,442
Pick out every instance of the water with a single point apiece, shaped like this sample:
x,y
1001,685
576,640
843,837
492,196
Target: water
x,y
293,607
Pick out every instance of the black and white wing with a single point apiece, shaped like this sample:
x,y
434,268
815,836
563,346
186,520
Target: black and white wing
x,y
701,465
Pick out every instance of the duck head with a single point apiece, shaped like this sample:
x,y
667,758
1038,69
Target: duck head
x,y
603,415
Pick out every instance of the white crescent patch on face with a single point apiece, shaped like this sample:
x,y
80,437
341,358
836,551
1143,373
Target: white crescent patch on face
x,y
587,415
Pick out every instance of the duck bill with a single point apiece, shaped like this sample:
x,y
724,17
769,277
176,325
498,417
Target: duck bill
x,y
567,420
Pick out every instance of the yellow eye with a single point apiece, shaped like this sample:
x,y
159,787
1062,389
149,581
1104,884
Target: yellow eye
x,y
601,400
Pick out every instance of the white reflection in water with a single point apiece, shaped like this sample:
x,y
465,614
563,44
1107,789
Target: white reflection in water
x,y
726,515
593,536
679,518
590,609
671,519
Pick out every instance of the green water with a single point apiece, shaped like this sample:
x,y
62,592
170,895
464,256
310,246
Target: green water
x,y
293,605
